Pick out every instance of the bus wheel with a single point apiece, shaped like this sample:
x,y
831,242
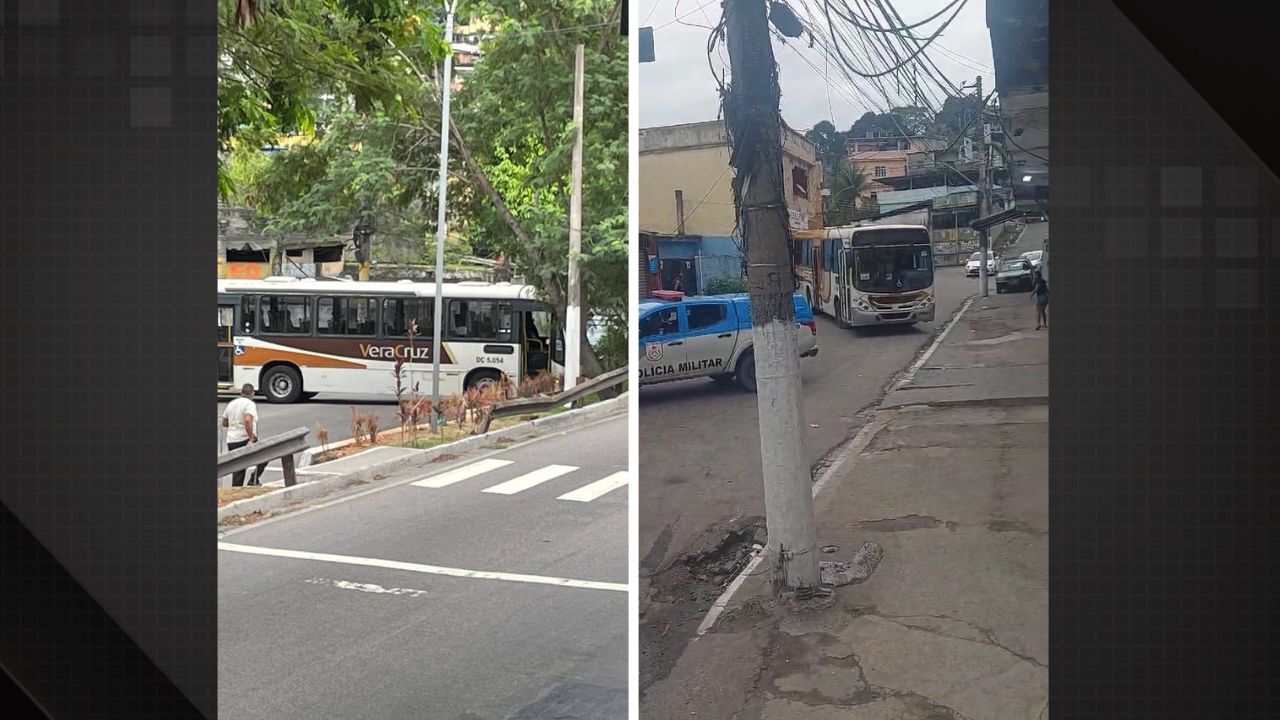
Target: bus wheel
x,y
282,384
840,321
482,380
746,372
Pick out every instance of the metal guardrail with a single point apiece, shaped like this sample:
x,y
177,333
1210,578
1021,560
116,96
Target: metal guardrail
x,y
521,406
280,447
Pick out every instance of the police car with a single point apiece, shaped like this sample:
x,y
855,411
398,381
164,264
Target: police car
x,y
708,336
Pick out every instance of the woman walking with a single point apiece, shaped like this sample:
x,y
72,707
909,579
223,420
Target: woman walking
x,y
1040,292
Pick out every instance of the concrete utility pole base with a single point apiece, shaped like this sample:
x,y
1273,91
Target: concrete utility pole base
x,y
834,575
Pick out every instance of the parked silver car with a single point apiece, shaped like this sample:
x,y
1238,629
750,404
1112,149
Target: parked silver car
x,y
1033,257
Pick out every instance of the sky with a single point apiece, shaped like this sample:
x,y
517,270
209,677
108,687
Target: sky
x,y
678,87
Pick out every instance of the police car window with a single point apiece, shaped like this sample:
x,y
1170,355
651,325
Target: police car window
x,y
701,316
661,322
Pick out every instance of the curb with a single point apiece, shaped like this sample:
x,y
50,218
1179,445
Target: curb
x,y
311,489
1006,402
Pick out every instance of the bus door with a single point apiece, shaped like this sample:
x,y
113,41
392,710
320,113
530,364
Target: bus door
x,y
537,334
821,293
226,350
842,277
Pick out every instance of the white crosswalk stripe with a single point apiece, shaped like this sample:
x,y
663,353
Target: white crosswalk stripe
x,y
528,480
601,487
466,472
584,494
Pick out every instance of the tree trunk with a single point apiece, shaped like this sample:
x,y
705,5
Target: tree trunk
x,y
591,364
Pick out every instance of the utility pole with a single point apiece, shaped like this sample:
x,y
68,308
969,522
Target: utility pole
x,y
679,212
573,321
442,224
755,130
984,198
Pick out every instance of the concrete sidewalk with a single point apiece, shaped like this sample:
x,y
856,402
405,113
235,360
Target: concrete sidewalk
x,y
954,622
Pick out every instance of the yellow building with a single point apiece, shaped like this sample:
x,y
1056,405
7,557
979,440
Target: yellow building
x,y
685,180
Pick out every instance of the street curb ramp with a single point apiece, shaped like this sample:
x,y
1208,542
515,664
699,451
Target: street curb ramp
x,y
277,500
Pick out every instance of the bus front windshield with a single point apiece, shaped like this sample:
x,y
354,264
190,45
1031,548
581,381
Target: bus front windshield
x,y
901,268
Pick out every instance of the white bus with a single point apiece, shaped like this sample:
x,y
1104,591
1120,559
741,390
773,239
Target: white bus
x,y
867,275
293,338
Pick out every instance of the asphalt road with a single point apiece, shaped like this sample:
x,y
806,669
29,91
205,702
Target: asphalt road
x,y
1032,239
700,458
344,638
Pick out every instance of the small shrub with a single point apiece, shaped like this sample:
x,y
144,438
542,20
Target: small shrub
x,y
612,347
357,426
726,286
450,407
322,437
543,383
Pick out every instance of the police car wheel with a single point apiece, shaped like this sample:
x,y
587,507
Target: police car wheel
x,y
747,372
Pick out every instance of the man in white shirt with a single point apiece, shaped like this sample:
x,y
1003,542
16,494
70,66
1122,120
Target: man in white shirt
x,y
241,421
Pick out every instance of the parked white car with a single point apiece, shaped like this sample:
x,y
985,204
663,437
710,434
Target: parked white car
x,y
973,268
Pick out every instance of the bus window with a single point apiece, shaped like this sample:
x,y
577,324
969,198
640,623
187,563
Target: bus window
x,y
324,317
226,322
247,315
346,316
480,320
398,312
286,314
542,323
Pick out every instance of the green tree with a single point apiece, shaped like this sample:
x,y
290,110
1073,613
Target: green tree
x,y
830,144
956,113
515,135
896,122
280,65
847,184
360,77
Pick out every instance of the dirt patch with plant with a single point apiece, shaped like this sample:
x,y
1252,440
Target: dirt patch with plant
x,y
421,437
458,416
228,495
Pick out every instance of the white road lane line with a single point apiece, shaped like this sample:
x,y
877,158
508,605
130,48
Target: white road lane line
x,y
605,485
466,472
367,587
424,569
528,480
